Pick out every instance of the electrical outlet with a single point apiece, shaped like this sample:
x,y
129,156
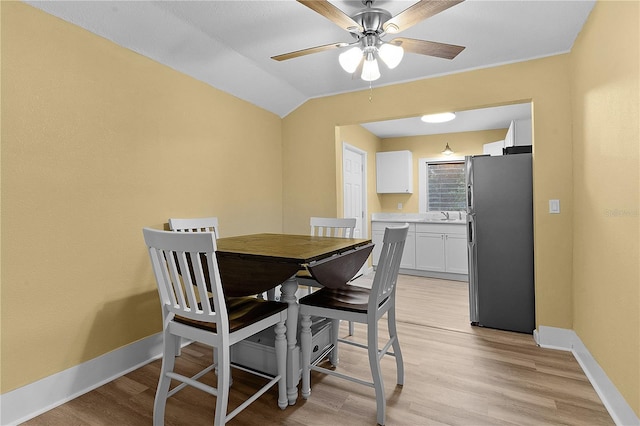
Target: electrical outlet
x,y
399,206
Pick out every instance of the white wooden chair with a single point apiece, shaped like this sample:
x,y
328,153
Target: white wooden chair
x,y
327,227
198,224
186,271
363,306
333,227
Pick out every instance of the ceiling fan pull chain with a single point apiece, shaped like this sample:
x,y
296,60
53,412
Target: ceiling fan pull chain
x,y
370,92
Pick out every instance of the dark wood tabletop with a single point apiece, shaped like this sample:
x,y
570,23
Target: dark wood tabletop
x,y
298,249
251,264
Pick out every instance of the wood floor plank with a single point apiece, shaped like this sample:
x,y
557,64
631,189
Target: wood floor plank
x,y
455,374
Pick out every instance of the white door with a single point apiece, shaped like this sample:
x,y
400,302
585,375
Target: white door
x,y
354,189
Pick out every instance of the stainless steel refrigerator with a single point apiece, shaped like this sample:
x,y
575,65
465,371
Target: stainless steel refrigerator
x,y
500,241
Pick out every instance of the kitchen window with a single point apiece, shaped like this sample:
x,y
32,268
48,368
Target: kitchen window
x,y
442,185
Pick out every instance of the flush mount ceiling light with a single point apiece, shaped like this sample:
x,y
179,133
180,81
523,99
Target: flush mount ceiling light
x,y
438,118
447,150
368,26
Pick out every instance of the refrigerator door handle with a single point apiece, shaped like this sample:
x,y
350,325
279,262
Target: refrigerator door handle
x,y
468,178
473,271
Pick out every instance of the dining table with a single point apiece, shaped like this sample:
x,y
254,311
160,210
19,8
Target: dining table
x,y
257,263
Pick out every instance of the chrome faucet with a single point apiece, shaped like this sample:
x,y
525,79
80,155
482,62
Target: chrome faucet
x,y
460,214
446,215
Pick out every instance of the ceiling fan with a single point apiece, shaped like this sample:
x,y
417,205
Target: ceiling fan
x,y
368,26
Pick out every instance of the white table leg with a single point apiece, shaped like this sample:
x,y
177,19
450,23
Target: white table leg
x,y
288,295
305,342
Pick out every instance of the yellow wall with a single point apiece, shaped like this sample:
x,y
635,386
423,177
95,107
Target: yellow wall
x,y
97,142
92,142
309,132
466,143
601,303
606,96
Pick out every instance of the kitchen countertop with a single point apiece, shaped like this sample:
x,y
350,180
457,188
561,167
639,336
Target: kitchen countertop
x,y
431,217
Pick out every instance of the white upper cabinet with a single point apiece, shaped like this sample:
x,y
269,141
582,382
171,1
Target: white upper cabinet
x,y
493,148
394,172
510,138
523,133
519,133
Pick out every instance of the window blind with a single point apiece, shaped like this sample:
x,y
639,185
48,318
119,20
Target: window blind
x,y
446,189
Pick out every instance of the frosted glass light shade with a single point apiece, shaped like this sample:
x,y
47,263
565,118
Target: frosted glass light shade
x,y
438,118
391,54
370,70
350,59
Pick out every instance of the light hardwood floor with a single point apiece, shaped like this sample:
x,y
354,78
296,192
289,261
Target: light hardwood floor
x,y
455,374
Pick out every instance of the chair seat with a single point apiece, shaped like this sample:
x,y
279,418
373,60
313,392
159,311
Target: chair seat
x,y
350,298
242,312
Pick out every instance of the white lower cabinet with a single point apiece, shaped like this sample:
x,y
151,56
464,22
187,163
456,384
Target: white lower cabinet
x,y
408,255
439,248
456,253
430,252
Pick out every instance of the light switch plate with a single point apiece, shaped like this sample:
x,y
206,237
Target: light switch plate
x,y
554,206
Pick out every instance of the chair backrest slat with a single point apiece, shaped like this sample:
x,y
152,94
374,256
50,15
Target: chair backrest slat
x,y
198,224
185,268
178,283
191,279
161,273
386,276
333,227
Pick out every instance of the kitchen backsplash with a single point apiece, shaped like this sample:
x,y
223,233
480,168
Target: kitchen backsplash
x,y
416,217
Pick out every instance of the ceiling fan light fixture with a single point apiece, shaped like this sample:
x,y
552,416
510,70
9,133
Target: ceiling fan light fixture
x,y
350,59
391,54
370,69
438,118
368,26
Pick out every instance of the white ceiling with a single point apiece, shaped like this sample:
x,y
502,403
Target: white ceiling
x,y
466,121
229,44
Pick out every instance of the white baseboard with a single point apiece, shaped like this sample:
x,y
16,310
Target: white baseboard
x,y
36,398
568,340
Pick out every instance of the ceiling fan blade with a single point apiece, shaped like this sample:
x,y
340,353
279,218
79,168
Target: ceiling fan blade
x,y
430,48
308,51
332,13
416,13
